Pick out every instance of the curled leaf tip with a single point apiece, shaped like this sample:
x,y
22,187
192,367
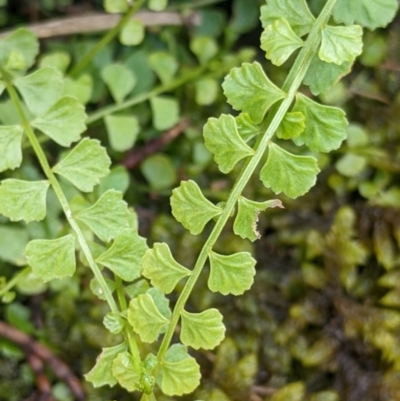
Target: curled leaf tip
x,y
276,203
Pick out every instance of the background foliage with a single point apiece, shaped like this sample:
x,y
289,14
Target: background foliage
x,y
322,321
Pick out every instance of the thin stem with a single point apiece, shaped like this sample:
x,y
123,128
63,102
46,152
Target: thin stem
x,y
106,39
146,96
81,239
291,87
195,4
60,195
133,348
128,332
129,335
41,139
14,281
120,292
96,116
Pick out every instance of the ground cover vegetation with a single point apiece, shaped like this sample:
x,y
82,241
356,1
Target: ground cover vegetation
x,y
188,210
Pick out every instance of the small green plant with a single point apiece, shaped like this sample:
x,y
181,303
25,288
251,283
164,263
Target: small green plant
x,y
131,278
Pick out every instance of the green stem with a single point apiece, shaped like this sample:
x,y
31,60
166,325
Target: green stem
x,y
14,281
120,292
129,335
106,39
60,195
145,96
133,347
41,139
195,4
291,87
96,116
81,239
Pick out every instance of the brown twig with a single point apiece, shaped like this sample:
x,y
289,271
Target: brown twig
x,y
261,390
42,382
30,346
390,66
255,397
135,157
97,22
369,95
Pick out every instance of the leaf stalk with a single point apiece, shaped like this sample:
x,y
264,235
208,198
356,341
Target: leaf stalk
x,y
74,225
275,117
142,97
14,281
106,39
60,194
